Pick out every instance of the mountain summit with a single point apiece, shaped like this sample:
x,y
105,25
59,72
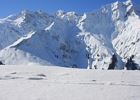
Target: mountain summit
x,y
107,38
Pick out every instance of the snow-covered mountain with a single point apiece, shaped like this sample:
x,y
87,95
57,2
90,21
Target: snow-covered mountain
x,y
69,39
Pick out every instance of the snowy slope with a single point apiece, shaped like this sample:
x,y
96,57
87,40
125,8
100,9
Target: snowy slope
x,y
15,26
68,39
55,83
127,41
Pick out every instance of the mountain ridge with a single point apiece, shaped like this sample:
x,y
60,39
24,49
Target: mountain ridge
x,y
68,39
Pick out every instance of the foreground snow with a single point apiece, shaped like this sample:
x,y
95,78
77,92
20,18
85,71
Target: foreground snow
x,y
54,83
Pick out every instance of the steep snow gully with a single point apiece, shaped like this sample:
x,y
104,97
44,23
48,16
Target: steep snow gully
x,y
106,39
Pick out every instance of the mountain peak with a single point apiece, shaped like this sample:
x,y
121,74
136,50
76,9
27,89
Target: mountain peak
x,y
69,39
128,2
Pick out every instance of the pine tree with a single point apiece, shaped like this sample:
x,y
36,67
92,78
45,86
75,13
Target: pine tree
x,y
1,63
113,62
131,65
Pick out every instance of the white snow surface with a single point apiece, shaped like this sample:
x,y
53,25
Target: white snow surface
x,y
70,39
57,83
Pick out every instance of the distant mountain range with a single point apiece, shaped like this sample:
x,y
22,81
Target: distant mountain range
x,y
106,39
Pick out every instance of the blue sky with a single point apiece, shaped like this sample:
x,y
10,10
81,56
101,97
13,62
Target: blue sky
x,y
8,7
